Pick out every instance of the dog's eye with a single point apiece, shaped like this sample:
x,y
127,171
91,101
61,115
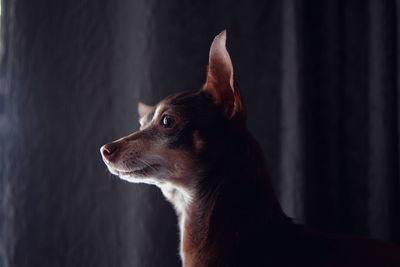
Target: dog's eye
x,y
167,121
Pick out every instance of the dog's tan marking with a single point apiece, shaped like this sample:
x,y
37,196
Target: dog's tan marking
x,y
197,142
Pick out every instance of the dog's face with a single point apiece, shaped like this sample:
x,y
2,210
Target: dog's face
x,y
182,135
170,144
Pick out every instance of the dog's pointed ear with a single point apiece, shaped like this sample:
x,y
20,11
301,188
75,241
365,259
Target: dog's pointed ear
x,y
144,109
220,83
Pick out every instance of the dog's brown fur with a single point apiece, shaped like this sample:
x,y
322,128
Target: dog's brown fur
x,y
195,146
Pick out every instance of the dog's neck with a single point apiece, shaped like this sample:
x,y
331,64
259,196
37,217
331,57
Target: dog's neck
x,y
234,198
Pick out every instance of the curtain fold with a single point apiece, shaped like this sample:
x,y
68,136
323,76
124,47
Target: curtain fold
x,y
291,158
382,113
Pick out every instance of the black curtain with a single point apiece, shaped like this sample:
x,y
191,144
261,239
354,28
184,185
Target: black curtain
x,y
319,78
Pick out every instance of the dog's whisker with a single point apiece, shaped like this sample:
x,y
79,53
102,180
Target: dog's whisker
x,y
147,164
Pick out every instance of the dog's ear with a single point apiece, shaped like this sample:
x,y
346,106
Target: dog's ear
x,y
220,83
144,109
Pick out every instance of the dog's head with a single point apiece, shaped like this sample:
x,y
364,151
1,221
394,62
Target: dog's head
x,y
185,133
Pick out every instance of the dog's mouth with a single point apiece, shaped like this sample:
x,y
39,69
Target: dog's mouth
x,y
142,171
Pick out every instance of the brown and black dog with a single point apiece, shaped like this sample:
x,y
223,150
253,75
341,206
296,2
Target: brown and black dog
x,y
196,148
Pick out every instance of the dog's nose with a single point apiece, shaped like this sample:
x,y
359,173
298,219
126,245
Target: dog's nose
x,y
107,150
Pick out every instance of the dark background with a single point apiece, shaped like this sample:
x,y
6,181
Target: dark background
x,y
320,80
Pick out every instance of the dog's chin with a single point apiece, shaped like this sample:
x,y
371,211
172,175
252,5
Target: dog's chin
x,y
145,174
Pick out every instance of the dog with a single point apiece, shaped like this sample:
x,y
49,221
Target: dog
x,y
194,145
